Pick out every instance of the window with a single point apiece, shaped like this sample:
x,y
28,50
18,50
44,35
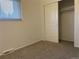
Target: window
x,y
10,10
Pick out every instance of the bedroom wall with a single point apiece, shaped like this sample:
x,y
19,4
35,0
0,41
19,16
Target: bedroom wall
x,y
15,34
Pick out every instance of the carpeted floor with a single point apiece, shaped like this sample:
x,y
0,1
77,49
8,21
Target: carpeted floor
x,y
46,50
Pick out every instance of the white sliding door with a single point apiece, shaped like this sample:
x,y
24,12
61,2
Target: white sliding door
x,y
51,22
76,24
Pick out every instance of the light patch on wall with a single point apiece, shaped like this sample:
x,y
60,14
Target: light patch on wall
x,y
10,9
7,7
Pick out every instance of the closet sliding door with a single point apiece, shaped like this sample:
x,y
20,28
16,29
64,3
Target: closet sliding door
x,y
51,22
76,24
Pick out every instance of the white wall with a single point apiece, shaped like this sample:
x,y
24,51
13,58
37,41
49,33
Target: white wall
x,y
67,25
14,34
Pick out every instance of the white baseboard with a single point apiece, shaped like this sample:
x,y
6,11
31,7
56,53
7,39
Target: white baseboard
x,y
66,39
11,50
76,45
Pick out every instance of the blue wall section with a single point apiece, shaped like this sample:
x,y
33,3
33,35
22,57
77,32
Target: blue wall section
x,y
17,12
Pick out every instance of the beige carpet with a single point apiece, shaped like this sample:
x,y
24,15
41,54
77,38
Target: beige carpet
x,y
46,50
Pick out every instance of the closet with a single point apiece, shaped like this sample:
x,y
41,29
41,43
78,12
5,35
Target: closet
x,y
60,20
66,20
